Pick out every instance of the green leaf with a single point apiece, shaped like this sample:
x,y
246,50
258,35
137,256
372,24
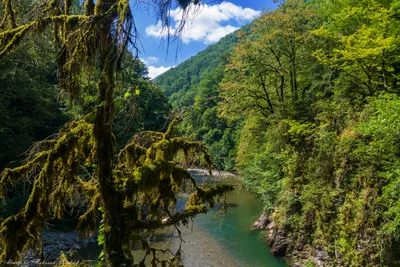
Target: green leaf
x,y
127,95
101,104
100,240
101,255
137,91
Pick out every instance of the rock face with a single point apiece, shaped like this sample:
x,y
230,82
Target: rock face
x,y
282,245
277,238
278,241
262,222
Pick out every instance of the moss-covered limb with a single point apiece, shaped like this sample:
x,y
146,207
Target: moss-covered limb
x,y
131,154
15,38
89,188
10,176
194,206
126,30
170,131
28,222
146,177
146,138
9,39
8,14
174,219
208,195
54,182
65,188
179,174
193,147
89,221
41,146
68,184
11,230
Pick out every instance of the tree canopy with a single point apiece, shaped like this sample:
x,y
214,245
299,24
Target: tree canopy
x,y
316,83
92,41
308,98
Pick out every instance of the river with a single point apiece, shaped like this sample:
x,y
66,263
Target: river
x,y
221,240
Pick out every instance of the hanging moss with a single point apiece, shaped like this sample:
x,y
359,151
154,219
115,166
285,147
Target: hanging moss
x,y
89,220
53,185
136,187
8,14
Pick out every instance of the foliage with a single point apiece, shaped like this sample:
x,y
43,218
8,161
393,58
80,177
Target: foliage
x,y
140,105
315,83
193,88
92,42
28,106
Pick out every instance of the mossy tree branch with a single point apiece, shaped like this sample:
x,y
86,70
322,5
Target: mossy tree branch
x,y
51,187
123,184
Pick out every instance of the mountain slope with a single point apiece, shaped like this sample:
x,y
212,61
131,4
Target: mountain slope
x,y
187,75
193,86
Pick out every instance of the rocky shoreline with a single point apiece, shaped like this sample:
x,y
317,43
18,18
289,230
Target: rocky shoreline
x,y
280,243
56,242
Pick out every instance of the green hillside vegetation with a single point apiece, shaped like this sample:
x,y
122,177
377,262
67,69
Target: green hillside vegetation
x,y
307,108
304,103
192,87
318,85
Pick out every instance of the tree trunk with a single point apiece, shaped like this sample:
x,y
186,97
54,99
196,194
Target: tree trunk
x,y
113,254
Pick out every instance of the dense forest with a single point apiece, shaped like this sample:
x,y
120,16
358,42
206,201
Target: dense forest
x,y
33,108
192,88
70,64
306,109
304,103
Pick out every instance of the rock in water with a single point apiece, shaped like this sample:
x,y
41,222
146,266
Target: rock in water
x,y
262,222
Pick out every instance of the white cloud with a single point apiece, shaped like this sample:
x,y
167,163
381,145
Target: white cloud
x,y
155,71
207,26
238,13
157,31
150,60
219,33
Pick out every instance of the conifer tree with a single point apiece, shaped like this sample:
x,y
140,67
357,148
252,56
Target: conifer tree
x,y
143,173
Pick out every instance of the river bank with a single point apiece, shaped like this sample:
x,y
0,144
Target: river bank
x,y
210,240
56,242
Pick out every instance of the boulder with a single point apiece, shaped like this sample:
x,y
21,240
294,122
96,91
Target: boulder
x,y
278,241
262,222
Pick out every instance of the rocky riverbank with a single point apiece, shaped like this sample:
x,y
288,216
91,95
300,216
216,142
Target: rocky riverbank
x,y
280,244
56,242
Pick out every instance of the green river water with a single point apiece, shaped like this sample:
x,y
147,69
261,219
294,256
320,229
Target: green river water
x,y
233,231
224,240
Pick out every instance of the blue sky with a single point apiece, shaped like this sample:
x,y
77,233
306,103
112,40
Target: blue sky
x,y
214,20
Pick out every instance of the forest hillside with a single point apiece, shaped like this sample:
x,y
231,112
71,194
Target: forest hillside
x,y
303,103
192,88
306,107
